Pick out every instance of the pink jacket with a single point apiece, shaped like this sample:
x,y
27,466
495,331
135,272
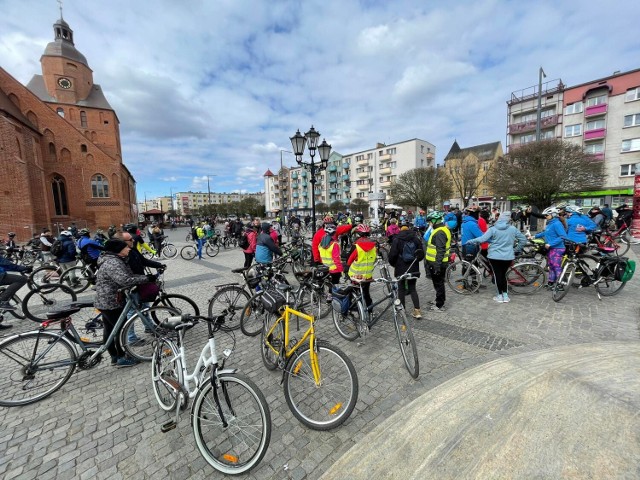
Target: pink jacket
x,y
393,229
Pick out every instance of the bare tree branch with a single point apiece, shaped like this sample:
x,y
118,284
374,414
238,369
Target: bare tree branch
x,y
424,187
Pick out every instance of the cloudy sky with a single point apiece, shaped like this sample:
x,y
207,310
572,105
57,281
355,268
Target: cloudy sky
x,y
217,87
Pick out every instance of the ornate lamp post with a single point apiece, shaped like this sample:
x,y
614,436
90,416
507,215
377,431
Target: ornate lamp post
x,y
310,140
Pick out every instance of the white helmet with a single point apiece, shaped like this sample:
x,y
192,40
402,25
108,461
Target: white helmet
x,y
553,211
574,209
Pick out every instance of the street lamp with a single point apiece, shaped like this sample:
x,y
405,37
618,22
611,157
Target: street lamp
x,y
310,139
209,187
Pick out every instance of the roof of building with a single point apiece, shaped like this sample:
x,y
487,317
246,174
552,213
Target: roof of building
x,y
153,211
268,173
63,45
96,98
486,151
7,106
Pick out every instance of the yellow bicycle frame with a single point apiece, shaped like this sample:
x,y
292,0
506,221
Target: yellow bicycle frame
x,y
309,334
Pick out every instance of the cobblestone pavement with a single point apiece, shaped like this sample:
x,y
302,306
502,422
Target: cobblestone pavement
x,y
105,423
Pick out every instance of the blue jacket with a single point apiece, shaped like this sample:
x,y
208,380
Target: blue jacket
x,y
9,266
501,238
554,235
265,248
573,222
420,221
68,249
451,220
92,247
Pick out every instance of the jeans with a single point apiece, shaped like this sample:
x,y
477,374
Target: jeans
x,y
200,244
148,323
409,286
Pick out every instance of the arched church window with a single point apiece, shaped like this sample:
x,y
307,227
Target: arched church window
x,y
99,186
59,191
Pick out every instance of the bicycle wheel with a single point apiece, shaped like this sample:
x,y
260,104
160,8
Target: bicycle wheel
x,y
139,332
229,301
563,283
253,316
29,258
347,323
169,251
33,365
607,285
180,303
525,278
80,282
621,247
408,346
46,298
241,444
271,352
166,374
329,404
44,276
463,277
17,303
212,250
189,252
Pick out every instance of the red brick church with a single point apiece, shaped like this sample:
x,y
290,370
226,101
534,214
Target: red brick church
x,y
60,148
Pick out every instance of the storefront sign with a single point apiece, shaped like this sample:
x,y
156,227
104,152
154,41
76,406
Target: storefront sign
x,y
635,224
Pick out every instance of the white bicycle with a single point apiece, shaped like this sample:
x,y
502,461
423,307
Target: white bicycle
x,y
230,417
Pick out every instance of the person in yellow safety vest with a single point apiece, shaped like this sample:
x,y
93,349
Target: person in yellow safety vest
x,y
437,257
362,260
200,233
329,250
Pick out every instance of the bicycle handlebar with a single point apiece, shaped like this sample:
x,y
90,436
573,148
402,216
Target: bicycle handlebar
x,y
404,276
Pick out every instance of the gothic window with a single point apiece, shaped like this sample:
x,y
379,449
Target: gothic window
x,y
65,154
52,152
32,118
19,149
59,191
83,118
83,148
14,99
99,186
60,111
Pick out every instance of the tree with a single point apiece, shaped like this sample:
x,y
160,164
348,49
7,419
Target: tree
x,y
424,187
540,172
337,206
250,206
322,207
466,176
359,205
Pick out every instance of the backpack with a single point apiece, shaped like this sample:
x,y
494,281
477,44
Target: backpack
x,y
341,299
56,248
243,241
408,252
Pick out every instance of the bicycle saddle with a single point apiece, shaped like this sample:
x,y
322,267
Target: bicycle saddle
x,y
304,275
64,313
283,287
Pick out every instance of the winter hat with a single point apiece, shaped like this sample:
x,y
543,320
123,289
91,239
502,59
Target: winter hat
x,y
266,227
115,245
504,217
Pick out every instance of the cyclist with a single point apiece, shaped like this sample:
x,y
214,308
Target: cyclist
x,y
501,238
625,215
403,257
112,231
100,237
420,221
138,241
275,227
329,250
46,242
320,234
14,283
578,225
554,237
89,249
470,229
250,251
266,247
597,217
437,257
362,260
393,229
68,258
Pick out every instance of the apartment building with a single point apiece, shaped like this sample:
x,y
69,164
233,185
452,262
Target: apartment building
x,y
602,116
187,202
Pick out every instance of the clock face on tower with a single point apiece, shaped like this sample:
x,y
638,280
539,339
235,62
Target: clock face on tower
x,y
64,82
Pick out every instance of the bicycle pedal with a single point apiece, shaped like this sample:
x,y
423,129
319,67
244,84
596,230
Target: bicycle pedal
x,y
166,427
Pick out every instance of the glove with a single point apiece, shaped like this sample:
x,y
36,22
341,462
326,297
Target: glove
x,y
28,269
151,278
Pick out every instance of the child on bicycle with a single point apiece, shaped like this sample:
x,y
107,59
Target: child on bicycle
x,y
329,250
554,235
362,261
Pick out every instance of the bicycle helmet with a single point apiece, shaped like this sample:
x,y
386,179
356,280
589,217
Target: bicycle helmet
x,y
330,228
553,211
363,229
130,228
328,219
66,233
12,234
435,217
84,231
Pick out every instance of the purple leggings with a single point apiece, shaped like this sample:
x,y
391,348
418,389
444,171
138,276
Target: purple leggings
x,y
554,258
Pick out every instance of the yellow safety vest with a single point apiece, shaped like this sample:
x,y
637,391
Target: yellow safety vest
x,y
431,248
326,256
362,268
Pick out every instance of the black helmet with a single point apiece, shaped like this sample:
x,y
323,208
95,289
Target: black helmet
x,y
12,234
84,231
130,228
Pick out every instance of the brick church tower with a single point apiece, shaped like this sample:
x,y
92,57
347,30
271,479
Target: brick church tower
x,y
61,145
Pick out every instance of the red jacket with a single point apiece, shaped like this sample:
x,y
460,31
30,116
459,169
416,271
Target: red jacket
x,y
482,224
317,238
252,236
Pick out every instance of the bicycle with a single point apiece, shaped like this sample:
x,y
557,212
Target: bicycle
x,y
35,364
230,416
617,241
589,271
465,277
180,303
84,275
356,320
167,250
321,389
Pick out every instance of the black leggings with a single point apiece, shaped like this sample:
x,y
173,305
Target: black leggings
x,y
248,259
409,286
110,318
500,268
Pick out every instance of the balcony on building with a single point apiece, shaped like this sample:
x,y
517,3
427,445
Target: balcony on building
x,y
333,179
595,134
363,161
333,191
545,122
294,185
385,158
345,177
346,166
598,156
294,176
594,110
305,204
295,194
363,175
363,187
303,174
430,156
304,184
346,188
386,183
295,205
332,168
385,170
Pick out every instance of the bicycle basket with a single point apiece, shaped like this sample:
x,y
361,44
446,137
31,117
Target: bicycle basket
x,y
273,300
341,299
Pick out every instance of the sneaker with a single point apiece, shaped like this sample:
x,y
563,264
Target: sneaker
x,y
114,361
431,303
416,313
505,298
4,326
498,298
6,306
126,362
434,308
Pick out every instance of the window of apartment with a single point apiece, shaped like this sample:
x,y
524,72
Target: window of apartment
x,y
347,161
631,145
393,164
421,148
632,94
573,130
528,137
359,157
546,134
632,120
391,151
369,156
593,148
577,107
594,125
628,170
599,100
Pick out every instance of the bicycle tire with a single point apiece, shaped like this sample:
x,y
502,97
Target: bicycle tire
x,y
166,375
253,316
169,251
620,247
347,323
463,277
229,301
180,303
46,298
82,281
46,275
16,355
245,408
324,406
29,258
525,278
407,343
142,330
17,303
212,250
188,252
276,339
562,285
609,286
